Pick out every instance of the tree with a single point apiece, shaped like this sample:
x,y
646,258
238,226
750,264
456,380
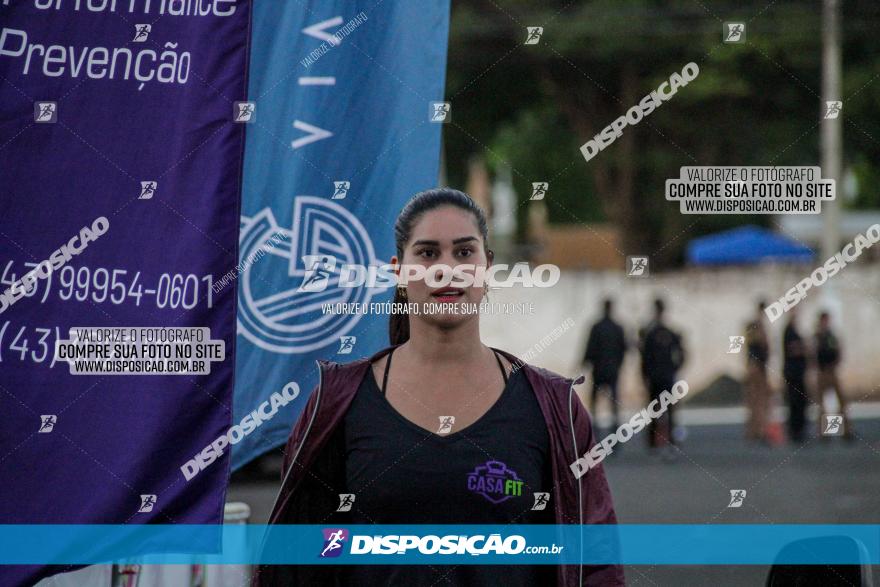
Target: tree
x,y
755,103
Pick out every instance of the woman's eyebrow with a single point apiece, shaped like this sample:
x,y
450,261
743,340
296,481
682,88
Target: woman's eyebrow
x,y
464,239
459,240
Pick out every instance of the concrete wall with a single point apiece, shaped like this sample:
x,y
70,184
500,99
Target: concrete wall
x,y
707,306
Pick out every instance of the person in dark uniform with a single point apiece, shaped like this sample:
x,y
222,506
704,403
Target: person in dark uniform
x,y
794,372
757,386
606,347
662,356
827,360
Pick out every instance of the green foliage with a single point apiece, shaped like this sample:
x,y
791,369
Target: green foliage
x,y
559,163
755,103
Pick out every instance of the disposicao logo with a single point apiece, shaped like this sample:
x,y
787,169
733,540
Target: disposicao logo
x,y
450,544
333,540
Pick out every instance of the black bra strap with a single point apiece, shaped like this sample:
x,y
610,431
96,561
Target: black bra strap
x,y
387,368
500,366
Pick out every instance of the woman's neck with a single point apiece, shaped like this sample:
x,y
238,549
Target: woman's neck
x,y
457,345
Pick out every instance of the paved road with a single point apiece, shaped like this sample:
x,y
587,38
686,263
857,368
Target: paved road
x,y
820,482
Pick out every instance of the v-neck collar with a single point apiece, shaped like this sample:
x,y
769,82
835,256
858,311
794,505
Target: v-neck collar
x,y
374,385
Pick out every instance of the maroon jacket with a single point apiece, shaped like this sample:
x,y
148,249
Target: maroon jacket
x,y
314,469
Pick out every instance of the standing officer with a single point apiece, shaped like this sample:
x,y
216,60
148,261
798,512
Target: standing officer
x,y
606,347
794,372
757,387
827,360
662,356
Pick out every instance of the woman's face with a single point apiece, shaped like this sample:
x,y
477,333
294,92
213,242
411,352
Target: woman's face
x,y
445,236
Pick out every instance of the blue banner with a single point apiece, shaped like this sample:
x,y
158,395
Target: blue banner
x,y
629,544
341,137
120,172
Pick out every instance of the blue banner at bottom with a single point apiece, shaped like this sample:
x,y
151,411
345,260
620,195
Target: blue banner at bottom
x,y
441,544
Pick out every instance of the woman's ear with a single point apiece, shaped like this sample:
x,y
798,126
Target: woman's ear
x,y
395,263
490,255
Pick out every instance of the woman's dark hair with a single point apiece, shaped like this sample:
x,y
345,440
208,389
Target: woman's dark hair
x,y
398,323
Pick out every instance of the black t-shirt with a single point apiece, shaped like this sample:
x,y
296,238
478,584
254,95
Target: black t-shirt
x,y
606,347
827,349
485,473
756,343
794,363
662,354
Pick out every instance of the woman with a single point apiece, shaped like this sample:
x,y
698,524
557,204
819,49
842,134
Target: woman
x,y
417,430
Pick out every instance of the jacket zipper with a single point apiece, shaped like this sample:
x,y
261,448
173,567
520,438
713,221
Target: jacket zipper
x,y
580,493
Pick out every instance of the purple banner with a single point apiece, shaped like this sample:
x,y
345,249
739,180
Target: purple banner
x,y
120,175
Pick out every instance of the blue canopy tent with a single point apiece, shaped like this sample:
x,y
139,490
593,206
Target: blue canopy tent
x,y
746,245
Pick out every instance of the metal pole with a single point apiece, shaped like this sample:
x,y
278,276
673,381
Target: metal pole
x,y
831,136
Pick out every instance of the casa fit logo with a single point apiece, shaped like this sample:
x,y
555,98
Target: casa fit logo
x,y
495,482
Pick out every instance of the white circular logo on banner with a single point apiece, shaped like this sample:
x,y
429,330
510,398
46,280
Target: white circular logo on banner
x,y
290,319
